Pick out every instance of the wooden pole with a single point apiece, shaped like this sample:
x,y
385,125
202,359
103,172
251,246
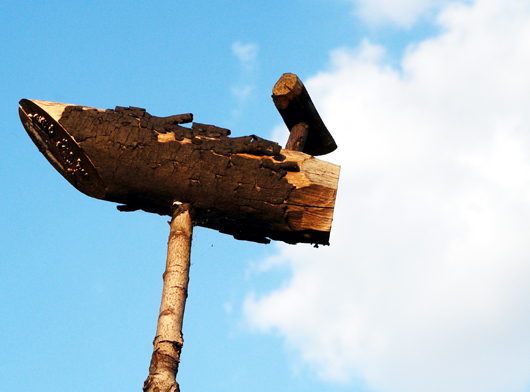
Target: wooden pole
x,y
169,340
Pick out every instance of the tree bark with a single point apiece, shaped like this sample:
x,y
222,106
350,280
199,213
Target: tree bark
x,y
169,339
247,187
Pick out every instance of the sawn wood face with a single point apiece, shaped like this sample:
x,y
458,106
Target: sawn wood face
x,y
247,187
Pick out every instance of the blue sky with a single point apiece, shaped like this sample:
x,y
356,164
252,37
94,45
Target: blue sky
x,y
424,286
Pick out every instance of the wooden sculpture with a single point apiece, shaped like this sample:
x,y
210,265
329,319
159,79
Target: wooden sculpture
x,y
247,187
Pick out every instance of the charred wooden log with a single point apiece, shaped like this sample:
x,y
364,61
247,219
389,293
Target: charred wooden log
x,y
309,134
248,187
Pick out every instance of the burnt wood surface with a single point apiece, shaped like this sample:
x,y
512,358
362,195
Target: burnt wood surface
x,y
247,187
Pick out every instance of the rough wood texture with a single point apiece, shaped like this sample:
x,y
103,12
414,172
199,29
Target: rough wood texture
x,y
247,187
169,340
295,106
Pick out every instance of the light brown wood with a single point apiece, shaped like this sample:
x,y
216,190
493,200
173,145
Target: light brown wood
x,y
287,88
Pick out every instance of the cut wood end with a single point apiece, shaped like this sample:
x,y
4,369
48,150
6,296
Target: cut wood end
x,y
40,120
286,84
54,109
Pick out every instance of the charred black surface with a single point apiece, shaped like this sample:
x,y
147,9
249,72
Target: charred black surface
x,y
201,167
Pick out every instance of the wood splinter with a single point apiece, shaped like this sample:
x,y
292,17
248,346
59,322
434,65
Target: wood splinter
x,y
169,339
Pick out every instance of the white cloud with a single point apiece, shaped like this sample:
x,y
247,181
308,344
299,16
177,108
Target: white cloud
x,y
403,13
242,92
425,284
246,53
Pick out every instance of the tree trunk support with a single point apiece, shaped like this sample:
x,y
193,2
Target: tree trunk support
x,y
169,339
298,137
